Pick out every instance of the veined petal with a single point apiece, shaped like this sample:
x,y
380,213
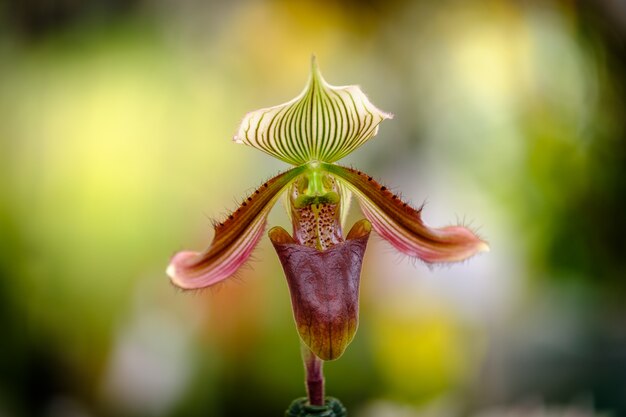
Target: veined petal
x,y
323,123
401,224
324,288
346,201
234,239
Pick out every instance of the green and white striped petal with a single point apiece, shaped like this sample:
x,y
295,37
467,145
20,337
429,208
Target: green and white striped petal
x,y
324,123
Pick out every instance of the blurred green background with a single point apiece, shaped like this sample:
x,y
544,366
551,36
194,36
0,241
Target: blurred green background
x,y
116,119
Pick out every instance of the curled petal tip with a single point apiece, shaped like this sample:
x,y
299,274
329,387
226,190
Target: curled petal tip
x,y
178,270
450,244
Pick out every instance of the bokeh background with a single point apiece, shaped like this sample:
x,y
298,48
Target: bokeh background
x,y
116,119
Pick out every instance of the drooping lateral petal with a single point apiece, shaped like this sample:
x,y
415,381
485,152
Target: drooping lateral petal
x,y
401,224
324,287
323,123
234,239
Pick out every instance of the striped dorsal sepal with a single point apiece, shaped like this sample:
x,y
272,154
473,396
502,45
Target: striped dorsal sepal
x,y
324,123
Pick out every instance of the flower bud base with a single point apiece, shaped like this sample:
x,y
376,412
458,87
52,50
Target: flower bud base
x,y
301,408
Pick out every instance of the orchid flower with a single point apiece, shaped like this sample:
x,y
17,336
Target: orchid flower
x,y
311,132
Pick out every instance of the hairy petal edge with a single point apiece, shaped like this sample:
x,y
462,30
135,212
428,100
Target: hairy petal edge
x,y
234,240
402,226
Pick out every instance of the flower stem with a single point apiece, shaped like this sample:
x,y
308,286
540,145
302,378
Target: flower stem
x,y
314,375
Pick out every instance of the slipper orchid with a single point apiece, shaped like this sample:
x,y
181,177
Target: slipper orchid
x,y
311,132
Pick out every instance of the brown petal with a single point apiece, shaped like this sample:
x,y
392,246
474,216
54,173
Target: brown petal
x,y
324,288
234,240
402,225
